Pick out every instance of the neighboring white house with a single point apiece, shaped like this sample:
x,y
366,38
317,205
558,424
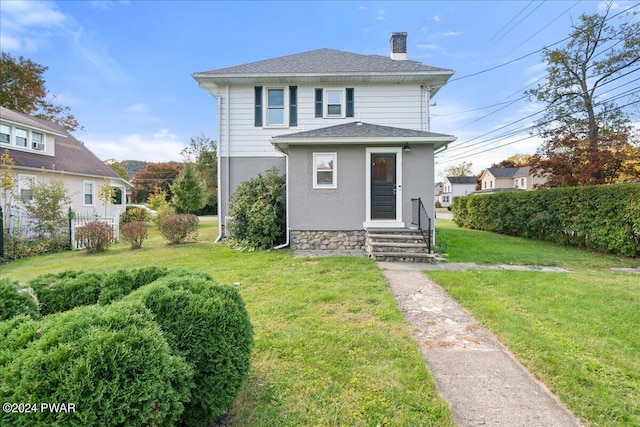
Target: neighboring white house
x,y
43,150
499,179
454,186
351,132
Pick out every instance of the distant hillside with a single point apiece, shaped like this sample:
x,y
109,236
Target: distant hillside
x,y
133,166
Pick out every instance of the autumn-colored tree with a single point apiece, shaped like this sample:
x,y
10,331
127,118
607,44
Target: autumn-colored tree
x,y
515,161
460,169
22,89
7,182
154,179
586,132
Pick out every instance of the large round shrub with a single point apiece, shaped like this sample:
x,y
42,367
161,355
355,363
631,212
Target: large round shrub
x,y
16,299
111,363
209,326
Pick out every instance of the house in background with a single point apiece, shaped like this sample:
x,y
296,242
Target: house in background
x,y
501,179
437,191
43,150
350,131
454,186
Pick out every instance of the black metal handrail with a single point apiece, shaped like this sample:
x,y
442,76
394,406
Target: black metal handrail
x,y
420,218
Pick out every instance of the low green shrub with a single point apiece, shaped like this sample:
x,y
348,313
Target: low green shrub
x,y
16,299
120,283
178,228
134,233
604,217
135,214
63,291
19,247
209,326
95,236
110,365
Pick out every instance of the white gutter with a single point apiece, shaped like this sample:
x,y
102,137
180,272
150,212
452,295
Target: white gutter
x,y
218,98
286,213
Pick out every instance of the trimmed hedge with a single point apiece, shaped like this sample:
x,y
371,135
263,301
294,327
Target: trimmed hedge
x,y
604,218
132,347
209,326
112,364
16,299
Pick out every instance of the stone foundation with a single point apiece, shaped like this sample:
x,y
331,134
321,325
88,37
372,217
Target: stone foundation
x,y
327,240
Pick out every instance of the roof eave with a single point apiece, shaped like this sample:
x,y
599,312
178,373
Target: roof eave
x,y
283,143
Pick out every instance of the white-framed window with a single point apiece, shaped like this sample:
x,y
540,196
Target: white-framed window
x,y
325,168
5,134
21,137
25,182
37,141
522,183
275,107
334,106
88,192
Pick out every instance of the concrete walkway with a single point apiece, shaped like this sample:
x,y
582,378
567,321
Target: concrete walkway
x,y
480,379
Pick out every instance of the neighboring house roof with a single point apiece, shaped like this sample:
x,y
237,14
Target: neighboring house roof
x,y
71,156
361,133
326,62
462,179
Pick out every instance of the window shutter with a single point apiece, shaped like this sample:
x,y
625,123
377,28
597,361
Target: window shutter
x,y
318,102
293,105
350,107
258,106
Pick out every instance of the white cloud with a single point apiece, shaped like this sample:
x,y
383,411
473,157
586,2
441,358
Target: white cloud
x,y
27,25
91,49
161,146
428,46
380,15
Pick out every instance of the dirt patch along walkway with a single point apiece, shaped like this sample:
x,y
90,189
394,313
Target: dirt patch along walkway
x,y
480,379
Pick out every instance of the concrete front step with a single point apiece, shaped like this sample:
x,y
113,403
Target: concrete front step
x,y
403,257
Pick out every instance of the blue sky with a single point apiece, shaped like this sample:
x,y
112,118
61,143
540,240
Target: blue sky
x,y
124,67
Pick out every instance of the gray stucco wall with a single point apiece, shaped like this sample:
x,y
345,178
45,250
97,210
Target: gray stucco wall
x,y
418,180
242,169
342,208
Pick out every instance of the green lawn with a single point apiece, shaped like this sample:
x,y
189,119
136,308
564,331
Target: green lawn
x,y
331,345
578,332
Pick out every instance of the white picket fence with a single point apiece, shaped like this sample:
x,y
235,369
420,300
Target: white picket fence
x,y
83,218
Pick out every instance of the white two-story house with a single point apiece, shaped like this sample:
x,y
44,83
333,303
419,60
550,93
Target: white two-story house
x,y
350,131
455,186
42,150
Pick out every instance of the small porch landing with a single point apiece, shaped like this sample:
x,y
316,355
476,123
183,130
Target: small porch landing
x,y
397,244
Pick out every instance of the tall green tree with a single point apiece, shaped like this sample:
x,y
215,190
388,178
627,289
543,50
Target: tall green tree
x,y
22,89
202,151
189,193
585,130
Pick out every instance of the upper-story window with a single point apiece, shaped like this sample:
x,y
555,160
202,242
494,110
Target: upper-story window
x,y
5,134
334,102
37,141
21,137
275,107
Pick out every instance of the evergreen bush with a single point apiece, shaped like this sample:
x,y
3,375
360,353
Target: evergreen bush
x,y
16,299
209,326
64,291
111,363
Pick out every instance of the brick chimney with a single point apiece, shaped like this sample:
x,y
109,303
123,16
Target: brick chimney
x,y
399,46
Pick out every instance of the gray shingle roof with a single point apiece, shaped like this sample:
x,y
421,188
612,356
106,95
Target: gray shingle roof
x,y
462,179
509,172
326,61
361,130
71,155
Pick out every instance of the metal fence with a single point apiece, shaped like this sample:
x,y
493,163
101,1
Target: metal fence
x,y
420,218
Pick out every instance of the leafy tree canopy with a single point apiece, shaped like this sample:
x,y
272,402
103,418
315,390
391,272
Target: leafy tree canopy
x,y
588,133
22,89
460,169
153,179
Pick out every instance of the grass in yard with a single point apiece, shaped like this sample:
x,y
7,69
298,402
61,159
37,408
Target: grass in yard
x,y
331,345
464,245
578,332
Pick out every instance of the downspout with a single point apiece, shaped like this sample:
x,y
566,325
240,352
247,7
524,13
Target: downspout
x,y
227,174
286,213
228,136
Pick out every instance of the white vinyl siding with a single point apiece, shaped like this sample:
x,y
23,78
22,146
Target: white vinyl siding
x,y
386,105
